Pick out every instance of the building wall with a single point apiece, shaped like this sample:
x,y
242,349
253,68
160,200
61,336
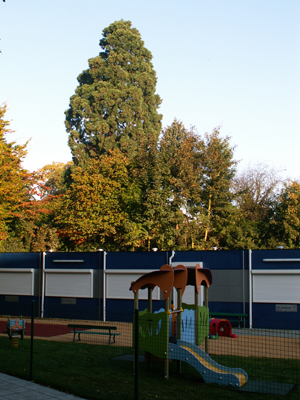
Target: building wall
x,y
264,284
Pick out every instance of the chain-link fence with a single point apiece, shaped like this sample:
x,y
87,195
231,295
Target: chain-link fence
x,y
99,360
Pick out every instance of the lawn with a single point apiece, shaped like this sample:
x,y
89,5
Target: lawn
x,y
92,372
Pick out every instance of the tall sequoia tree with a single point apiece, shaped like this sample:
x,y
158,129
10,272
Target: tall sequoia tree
x,y
115,109
115,105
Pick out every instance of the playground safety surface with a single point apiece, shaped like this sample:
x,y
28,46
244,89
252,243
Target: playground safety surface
x,y
249,343
57,330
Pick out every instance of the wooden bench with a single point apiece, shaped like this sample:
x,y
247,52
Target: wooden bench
x,y
239,318
82,329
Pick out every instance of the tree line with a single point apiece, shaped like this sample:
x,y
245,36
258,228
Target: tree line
x,y
133,185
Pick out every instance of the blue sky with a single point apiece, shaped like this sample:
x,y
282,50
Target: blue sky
x,y
233,63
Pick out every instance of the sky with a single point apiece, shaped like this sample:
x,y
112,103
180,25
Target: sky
x,y
233,64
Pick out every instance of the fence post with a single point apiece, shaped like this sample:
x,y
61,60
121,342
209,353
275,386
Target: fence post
x,y
206,305
136,354
31,344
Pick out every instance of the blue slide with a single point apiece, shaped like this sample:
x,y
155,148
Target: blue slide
x,y
211,371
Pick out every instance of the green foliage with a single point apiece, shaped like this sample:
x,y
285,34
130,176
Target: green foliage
x,y
286,222
115,105
255,198
128,190
178,157
180,181
151,211
255,191
52,179
96,209
115,108
12,177
197,174
216,158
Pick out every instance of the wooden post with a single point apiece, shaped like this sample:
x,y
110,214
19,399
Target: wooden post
x,y
149,300
136,300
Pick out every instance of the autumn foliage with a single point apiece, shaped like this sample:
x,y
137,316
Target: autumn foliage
x,y
133,186
20,206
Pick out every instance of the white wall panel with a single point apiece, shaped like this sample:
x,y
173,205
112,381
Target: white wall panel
x,y
188,264
118,287
189,293
69,283
276,288
189,296
16,281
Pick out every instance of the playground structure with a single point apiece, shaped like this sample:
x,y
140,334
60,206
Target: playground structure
x,y
162,340
15,328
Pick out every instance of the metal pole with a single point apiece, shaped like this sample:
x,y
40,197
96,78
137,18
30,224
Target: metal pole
x,y
104,286
166,367
244,298
136,355
43,285
206,305
178,319
171,257
250,289
31,344
178,323
196,318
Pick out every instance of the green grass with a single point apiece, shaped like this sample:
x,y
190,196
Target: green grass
x,y
90,371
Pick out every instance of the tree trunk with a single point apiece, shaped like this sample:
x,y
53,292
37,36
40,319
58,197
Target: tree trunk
x,y
208,213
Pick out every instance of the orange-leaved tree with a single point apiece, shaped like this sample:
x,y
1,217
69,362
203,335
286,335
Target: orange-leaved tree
x,y
19,208
13,181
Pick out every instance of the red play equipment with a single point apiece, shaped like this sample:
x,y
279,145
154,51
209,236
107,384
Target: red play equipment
x,y
222,327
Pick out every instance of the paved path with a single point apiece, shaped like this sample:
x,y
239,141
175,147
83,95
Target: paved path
x,y
12,388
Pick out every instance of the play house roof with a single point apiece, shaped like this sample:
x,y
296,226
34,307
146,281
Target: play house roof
x,y
179,277
164,279
199,276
